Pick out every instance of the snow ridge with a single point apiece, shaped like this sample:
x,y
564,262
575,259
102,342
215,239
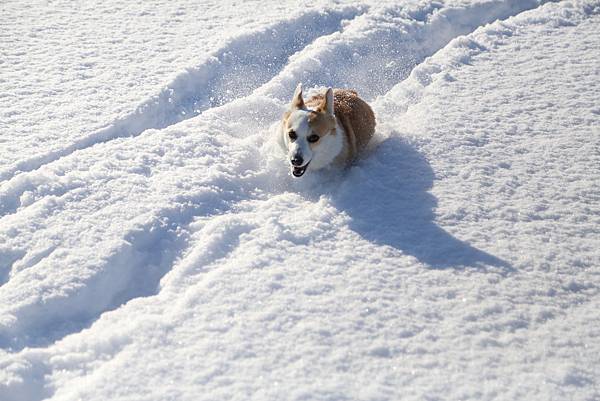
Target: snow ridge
x,y
204,201
233,71
406,36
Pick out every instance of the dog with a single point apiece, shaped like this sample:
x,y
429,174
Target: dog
x,y
328,129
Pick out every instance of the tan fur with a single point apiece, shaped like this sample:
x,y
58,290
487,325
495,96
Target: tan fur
x,y
297,101
353,113
286,117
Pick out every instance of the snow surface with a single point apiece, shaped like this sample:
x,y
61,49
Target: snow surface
x,y
154,247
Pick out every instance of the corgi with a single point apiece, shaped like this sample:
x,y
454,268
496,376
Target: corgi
x,y
328,129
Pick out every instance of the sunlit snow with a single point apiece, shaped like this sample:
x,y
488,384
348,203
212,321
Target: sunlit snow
x,y
153,245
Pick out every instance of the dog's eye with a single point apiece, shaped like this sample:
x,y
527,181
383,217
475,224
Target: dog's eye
x,y
292,135
313,138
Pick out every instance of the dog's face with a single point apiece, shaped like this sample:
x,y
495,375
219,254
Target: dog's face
x,y
307,133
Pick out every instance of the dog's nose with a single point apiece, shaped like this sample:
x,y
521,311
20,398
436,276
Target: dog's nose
x,y
297,160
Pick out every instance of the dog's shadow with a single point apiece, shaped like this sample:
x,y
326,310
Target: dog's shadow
x,y
388,200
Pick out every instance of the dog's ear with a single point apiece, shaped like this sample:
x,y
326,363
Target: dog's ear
x,y
297,101
327,102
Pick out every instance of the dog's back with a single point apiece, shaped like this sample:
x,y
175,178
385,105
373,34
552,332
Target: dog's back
x,y
355,115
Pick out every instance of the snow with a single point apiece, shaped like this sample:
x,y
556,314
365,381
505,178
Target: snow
x,y
153,245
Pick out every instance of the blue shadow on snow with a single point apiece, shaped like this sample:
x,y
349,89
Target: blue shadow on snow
x,y
387,197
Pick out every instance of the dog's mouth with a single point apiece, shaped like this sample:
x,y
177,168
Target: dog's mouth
x,y
299,171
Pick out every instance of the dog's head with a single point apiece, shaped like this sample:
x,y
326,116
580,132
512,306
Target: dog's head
x,y
307,132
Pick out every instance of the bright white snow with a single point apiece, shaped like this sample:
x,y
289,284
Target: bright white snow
x,y
153,245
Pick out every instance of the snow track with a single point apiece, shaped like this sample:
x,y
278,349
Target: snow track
x,y
406,36
219,258
231,72
342,59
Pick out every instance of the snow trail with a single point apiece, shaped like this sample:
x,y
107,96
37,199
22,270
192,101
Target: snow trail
x,y
249,268
405,37
414,33
233,71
